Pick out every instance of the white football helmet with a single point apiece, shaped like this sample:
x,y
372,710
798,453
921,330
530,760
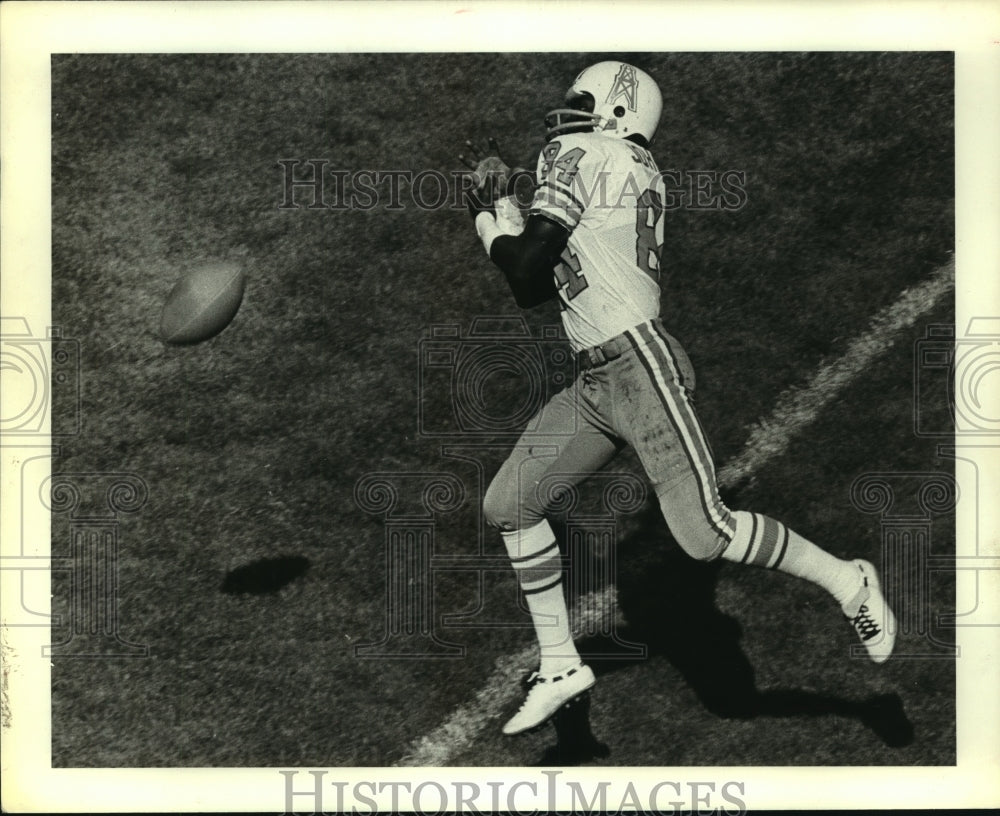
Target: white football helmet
x,y
610,97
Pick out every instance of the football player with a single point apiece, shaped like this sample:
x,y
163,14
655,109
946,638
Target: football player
x,y
592,238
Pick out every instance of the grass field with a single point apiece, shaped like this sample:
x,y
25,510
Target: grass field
x,y
251,572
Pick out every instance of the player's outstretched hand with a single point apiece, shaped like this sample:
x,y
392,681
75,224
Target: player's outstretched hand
x,y
489,176
486,165
493,177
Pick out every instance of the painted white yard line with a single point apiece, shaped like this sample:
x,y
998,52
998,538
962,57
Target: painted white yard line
x,y
796,409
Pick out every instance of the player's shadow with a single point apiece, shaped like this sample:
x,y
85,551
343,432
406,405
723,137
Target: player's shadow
x,y
667,600
575,741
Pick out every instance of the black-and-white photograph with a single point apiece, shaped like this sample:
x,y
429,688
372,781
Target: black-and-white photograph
x,y
464,408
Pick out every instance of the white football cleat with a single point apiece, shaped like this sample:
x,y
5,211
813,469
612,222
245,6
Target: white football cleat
x,y
871,616
547,694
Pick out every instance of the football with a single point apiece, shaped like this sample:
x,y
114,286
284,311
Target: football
x,y
202,303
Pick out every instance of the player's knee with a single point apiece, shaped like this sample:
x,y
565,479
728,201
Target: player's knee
x,y
696,536
497,507
702,543
506,509
501,505
703,528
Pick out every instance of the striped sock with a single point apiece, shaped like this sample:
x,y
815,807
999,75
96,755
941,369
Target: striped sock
x,y
536,559
764,542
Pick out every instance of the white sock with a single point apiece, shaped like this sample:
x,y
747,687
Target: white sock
x,y
536,558
764,542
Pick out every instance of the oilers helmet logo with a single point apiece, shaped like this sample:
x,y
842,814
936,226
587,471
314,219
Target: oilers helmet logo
x,y
625,85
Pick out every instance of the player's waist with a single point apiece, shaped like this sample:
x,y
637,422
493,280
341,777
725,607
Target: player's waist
x,y
612,349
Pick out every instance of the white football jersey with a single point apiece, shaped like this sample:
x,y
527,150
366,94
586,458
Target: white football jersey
x,y
608,193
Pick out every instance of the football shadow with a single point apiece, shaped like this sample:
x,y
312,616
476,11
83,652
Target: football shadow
x,y
264,576
668,603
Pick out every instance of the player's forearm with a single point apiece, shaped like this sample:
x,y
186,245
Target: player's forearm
x,y
528,273
527,258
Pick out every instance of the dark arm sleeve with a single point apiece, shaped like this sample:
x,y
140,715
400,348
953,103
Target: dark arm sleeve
x,y
527,260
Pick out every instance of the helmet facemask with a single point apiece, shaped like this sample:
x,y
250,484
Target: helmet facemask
x,y
577,117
